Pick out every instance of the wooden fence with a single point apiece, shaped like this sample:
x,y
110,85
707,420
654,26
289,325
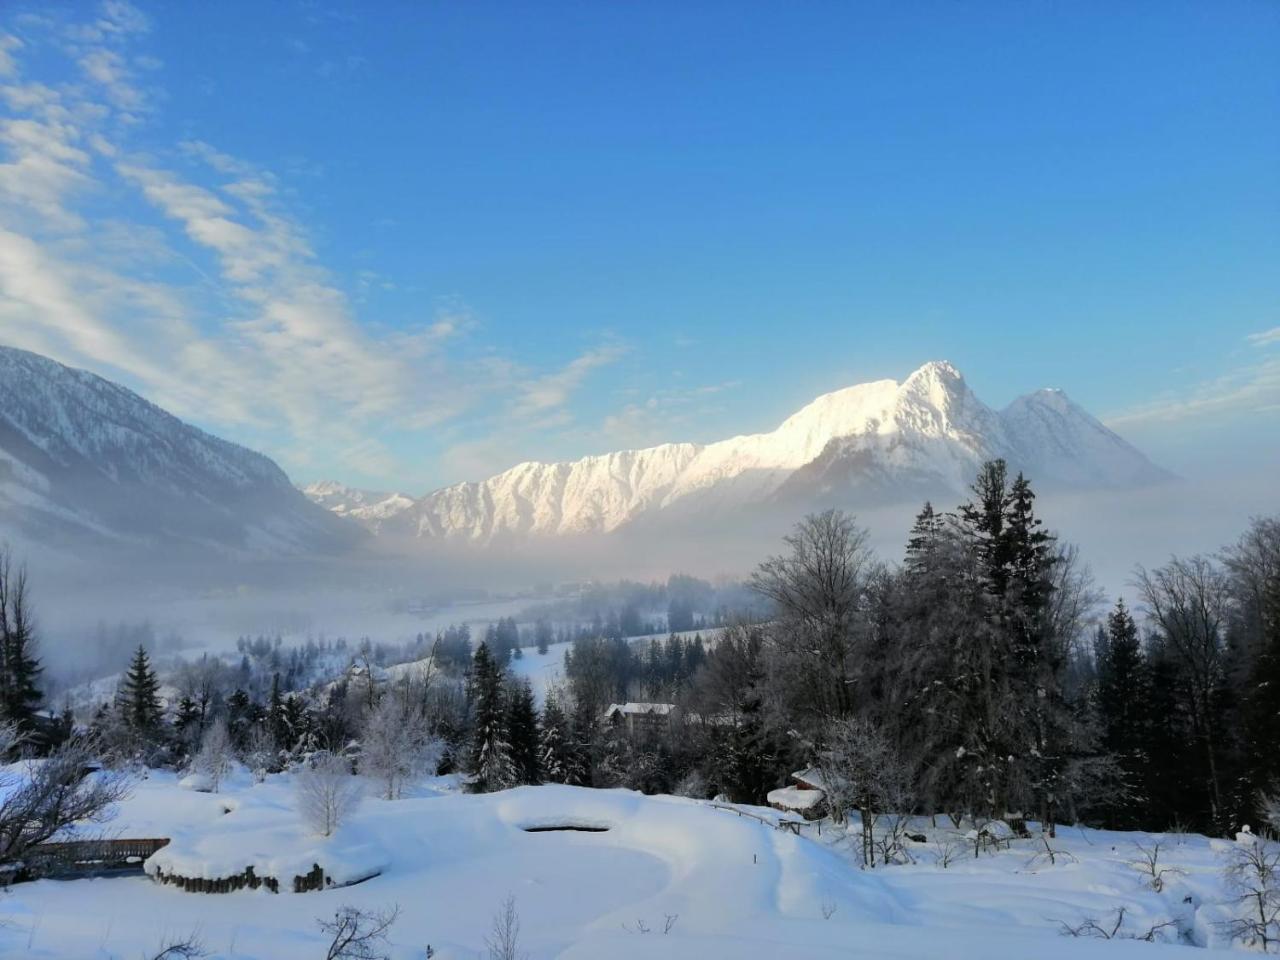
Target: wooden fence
x,y
777,824
314,879
89,856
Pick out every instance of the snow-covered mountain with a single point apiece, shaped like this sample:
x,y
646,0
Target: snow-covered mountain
x,y
875,442
369,507
85,460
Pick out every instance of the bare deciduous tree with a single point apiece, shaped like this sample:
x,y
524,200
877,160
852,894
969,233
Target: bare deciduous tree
x,y
1188,601
1091,927
1148,864
503,942
819,589
396,747
1253,877
58,792
861,769
261,753
358,934
1051,854
216,754
327,793
947,850
188,948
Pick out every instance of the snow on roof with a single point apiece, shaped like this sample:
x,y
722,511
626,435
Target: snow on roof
x,y
812,777
639,708
793,798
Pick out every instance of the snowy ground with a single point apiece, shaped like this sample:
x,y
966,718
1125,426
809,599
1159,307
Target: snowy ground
x,y
738,887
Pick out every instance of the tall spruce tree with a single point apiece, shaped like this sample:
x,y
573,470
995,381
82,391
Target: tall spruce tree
x,y
924,541
994,737
277,721
186,724
581,751
1017,717
1121,698
749,757
1039,657
1261,708
489,763
20,695
140,697
522,731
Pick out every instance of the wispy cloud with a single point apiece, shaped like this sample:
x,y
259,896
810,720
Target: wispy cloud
x,y
1265,337
550,392
216,304
662,416
1252,388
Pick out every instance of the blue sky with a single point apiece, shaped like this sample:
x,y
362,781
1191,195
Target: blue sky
x,y
406,244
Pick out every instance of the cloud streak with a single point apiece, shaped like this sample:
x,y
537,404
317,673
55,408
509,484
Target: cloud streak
x,y
1253,388
215,304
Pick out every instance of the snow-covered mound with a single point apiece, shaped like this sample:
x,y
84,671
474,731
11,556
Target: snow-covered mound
x,y
82,458
872,442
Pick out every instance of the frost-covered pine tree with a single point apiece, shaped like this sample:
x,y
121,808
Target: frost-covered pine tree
x,y
490,763
553,747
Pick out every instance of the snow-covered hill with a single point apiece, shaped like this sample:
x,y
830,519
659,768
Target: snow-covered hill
x,y
86,460
656,877
874,442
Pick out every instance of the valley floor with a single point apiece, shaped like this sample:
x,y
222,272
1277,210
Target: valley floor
x,y
735,886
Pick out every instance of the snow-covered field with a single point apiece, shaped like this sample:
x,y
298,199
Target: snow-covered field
x,y
736,887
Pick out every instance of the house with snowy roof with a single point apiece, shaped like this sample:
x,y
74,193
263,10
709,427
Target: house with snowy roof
x,y
807,795
641,717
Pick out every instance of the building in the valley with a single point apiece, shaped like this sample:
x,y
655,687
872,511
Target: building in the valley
x,y
639,717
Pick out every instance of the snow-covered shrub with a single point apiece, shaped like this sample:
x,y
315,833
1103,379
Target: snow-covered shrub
x,y
327,792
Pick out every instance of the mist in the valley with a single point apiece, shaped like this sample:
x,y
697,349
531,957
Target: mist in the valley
x,y
95,605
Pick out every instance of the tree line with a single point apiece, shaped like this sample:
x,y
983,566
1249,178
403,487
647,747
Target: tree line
x,y
978,677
